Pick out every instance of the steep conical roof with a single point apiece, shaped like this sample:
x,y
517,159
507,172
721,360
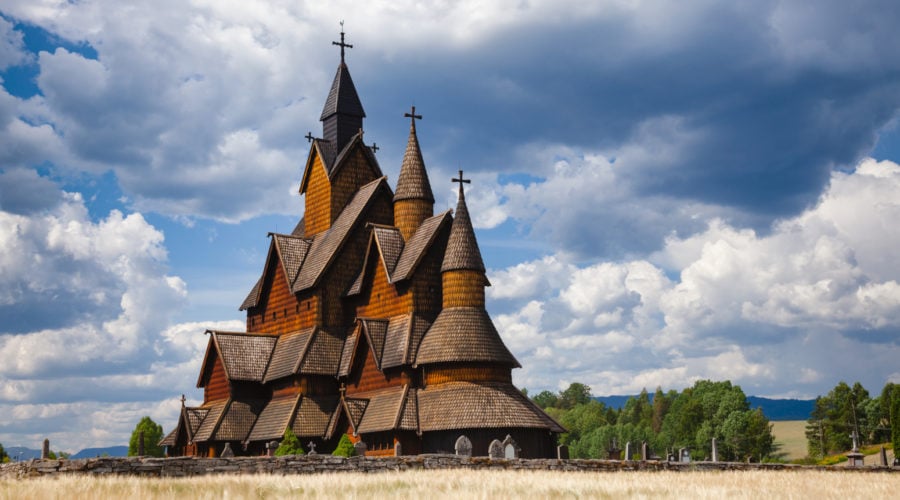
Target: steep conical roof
x,y
342,98
413,181
462,248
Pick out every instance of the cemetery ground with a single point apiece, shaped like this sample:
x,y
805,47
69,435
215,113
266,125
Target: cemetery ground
x,y
790,436
471,484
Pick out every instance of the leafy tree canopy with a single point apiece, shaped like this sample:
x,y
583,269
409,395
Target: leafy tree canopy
x,y
153,434
290,445
344,448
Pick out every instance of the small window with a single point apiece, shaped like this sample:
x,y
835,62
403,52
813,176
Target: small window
x,y
274,315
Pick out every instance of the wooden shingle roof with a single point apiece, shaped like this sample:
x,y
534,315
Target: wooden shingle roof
x,y
314,415
384,411
326,245
211,420
288,353
375,331
462,248
290,251
342,98
463,334
349,350
237,421
468,405
418,245
245,356
354,409
274,419
323,356
413,180
252,298
404,333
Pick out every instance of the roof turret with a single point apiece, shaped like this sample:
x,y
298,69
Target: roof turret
x,y
462,248
413,181
343,112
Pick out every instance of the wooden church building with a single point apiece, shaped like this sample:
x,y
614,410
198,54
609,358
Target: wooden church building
x,y
368,320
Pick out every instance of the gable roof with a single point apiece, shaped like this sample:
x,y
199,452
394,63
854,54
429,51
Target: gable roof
x,y
314,415
404,333
274,419
384,411
237,420
467,405
375,331
289,353
463,334
211,420
244,356
333,160
354,409
189,420
323,356
290,251
349,350
399,260
327,244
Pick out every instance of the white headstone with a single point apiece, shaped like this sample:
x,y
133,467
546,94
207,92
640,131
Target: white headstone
x,y
463,446
495,450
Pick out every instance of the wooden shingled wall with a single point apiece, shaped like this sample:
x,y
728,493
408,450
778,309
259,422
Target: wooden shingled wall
x,y
384,300
409,214
354,172
281,311
463,288
318,199
217,387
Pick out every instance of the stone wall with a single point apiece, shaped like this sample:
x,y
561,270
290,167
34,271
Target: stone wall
x,y
310,464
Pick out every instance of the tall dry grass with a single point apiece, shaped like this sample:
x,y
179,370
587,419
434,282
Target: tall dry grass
x,y
472,484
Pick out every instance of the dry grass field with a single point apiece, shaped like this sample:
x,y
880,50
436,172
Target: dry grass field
x,y
790,435
472,484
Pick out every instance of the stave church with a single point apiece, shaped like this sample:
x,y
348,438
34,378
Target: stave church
x,y
368,320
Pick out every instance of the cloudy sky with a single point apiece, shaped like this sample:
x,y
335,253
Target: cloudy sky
x,y
663,191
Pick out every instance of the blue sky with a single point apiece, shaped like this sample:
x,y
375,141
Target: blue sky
x,y
662,192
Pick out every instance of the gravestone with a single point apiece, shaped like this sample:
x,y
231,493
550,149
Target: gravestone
x,y
312,448
45,450
854,457
562,452
614,452
398,449
360,448
715,452
271,446
495,450
463,446
645,451
684,455
511,450
628,450
227,452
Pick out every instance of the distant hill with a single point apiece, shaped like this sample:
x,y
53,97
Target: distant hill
x,y
774,409
109,451
17,453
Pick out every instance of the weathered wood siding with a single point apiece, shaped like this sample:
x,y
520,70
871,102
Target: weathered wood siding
x,y
483,373
353,173
365,375
279,310
409,214
318,199
463,288
217,387
382,299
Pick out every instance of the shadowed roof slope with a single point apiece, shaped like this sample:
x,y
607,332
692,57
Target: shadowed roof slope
x,y
463,334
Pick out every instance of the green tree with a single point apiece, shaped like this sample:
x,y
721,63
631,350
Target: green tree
x,y
344,447
834,417
290,445
4,457
153,434
895,421
582,419
576,394
545,399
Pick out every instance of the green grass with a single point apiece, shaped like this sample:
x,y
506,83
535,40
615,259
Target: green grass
x,y
790,436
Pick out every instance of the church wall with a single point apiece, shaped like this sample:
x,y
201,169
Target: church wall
x,y
483,373
217,387
463,288
409,214
281,311
353,173
365,375
383,299
534,443
318,199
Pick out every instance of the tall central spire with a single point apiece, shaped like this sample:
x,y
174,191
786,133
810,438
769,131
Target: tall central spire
x,y
413,200
343,114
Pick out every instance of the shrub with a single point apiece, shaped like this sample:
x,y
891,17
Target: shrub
x,y
290,445
344,448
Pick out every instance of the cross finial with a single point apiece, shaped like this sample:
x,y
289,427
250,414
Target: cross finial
x,y
342,44
182,400
309,137
375,147
461,181
413,116
343,389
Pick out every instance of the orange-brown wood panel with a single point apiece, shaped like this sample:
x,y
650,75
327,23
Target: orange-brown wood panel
x,y
365,375
279,310
445,374
463,288
382,299
409,214
318,199
218,386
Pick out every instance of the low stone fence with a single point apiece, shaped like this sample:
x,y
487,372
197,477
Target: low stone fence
x,y
312,464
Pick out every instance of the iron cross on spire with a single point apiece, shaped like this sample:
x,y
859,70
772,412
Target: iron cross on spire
x,y
342,44
461,181
413,117
309,137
